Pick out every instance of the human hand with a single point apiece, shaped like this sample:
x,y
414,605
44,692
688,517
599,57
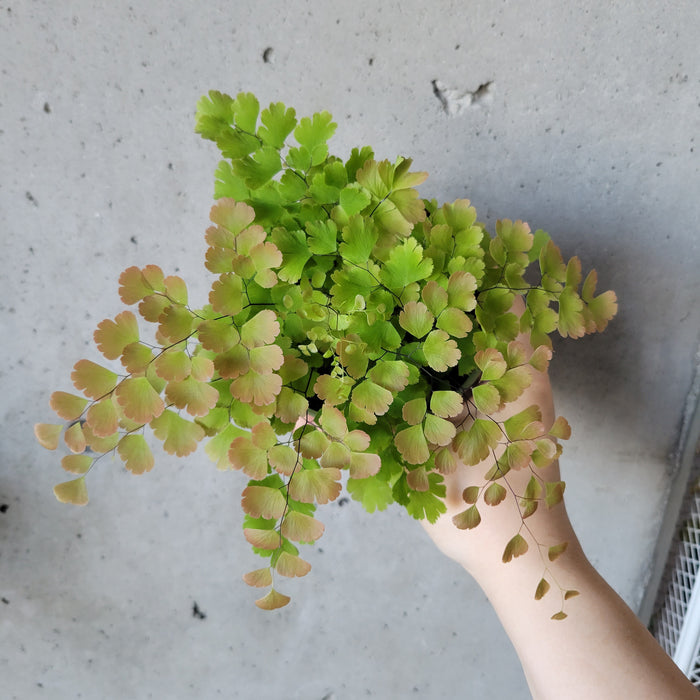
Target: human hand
x,y
601,650
480,550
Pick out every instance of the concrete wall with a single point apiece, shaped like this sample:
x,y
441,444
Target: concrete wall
x,y
587,129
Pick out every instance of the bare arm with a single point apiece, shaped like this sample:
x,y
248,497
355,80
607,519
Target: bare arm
x,y
601,650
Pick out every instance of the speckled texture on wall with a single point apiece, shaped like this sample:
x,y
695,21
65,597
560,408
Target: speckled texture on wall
x,y
581,120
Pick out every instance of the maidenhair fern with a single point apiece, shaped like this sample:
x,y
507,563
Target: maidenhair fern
x,y
351,325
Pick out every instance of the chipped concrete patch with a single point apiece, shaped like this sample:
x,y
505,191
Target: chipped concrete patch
x,y
455,102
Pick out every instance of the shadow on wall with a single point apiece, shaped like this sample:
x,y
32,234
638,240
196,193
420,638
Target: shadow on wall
x,y
619,374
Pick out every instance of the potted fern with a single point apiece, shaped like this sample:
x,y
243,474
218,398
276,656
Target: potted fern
x,y
352,326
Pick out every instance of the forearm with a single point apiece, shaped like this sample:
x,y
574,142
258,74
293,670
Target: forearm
x,y
601,650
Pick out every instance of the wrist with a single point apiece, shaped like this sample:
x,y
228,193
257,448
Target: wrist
x,y
515,582
553,551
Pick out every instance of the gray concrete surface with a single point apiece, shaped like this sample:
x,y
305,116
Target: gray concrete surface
x,y
587,129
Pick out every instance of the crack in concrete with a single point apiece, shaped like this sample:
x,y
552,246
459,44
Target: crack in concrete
x,y
455,102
